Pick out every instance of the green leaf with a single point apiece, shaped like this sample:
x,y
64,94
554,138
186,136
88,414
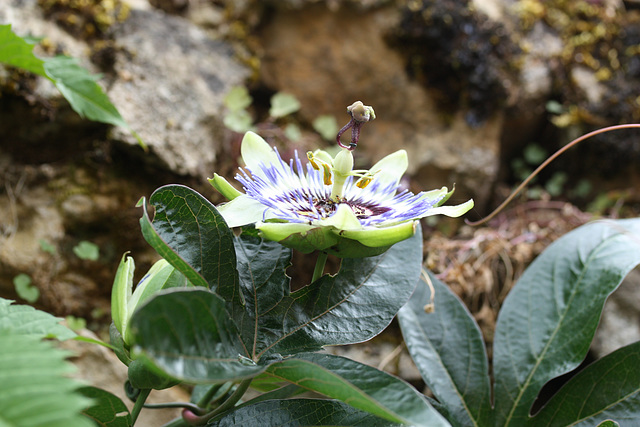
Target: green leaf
x,y
15,51
283,104
75,83
26,320
201,248
352,306
108,410
447,347
534,154
299,412
283,392
79,87
25,289
87,251
608,423
75,323
47,247
360,386
606,389
35,391
189,335
293,132
237,98
238,121
548,320
326,126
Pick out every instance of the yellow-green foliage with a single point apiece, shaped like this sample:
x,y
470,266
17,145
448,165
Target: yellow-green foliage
x,y
89,19
594,35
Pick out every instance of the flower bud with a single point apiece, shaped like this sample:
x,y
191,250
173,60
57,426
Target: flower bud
x,y
124,301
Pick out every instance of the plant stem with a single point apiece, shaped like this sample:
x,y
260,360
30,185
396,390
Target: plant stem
x,y
206,399
227,404
137,407
515,192
320,263
187,405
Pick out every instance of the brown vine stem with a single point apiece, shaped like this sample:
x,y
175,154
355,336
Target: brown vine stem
x,y
544,164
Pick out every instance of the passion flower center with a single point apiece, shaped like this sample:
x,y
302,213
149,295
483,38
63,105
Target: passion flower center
x,y
320,208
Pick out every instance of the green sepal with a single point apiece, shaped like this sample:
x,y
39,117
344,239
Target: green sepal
x,y
224,187
141,377
120,349
302,237
374,237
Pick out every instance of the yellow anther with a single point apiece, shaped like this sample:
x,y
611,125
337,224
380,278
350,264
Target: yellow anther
x,y
313,162
327,174
363,182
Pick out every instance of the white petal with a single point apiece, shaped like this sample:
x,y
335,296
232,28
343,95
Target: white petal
x,y
255,152
242,210
435,194
452,211
391,168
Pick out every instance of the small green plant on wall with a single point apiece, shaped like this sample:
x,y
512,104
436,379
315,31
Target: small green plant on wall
x,y
239,119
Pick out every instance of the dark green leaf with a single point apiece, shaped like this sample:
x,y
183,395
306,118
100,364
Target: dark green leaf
x,y
607,389
25,320
34,388
189,335
353,306
15,51
548,320
188,231
283,392
108,410
299,412
359,385
447,347
80,88
265,382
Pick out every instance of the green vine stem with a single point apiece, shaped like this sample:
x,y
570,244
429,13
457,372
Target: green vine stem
x,y
137,406
208,396
225,406
187,405
544,164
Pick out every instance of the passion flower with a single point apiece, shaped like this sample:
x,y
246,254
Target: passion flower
x,y
325,205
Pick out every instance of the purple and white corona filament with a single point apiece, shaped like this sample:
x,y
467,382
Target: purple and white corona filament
x,y
294,193
325,205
